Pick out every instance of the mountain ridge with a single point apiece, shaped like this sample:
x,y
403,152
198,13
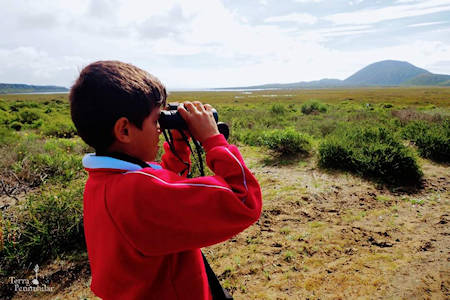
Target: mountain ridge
x,y
382,73
10,88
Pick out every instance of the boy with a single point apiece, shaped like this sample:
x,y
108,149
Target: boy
x,y
144,223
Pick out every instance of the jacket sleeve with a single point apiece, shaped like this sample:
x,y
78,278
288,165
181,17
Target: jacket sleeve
x,y
173,163
166,213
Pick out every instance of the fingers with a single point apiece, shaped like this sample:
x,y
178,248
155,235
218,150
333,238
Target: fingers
x,y
193,107
199,119
182,110
208,107
199,106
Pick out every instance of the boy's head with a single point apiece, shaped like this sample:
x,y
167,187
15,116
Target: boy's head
x,y
109,92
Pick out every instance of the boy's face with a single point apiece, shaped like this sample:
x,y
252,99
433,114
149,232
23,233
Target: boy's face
x,y
145,141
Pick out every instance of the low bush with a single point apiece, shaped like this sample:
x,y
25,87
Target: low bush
x,y
432,139
39,162
47,225
60,127
415,128
6,136
407,115
282,141
29,115
327,126
33,161
372,152
5,117
16,125
287,141
278,109
19,104
313,107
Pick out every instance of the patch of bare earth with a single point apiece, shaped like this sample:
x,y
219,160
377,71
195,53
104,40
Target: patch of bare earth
x,y
331,235
67,280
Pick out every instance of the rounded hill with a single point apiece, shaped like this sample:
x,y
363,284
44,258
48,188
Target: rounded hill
x,y
387,72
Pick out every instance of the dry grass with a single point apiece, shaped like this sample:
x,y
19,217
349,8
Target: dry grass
x,y
408,115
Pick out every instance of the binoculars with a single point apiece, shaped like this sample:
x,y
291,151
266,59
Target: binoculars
x,y
171,119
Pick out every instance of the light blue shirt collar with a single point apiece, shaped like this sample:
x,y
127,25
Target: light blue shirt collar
x,y
92,161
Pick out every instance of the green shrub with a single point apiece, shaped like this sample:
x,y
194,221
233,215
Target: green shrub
x,y
283,141
327,126
60,127
47,225
6,136
35,161
5,117
277,109
313,107
292,107
432,139
372,152
28,115
19,104
48,161
434,145
16,125
36,124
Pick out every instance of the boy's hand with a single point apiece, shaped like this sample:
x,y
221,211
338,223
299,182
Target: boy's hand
x,y
199,119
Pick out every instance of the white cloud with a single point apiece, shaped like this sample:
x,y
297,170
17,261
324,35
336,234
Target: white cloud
x,y
323,34
196,43
355,2
308,1
371,16
29,65
300,18
439,67
426,24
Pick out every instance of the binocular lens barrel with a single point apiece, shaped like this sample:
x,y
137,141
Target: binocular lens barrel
x,y
171,119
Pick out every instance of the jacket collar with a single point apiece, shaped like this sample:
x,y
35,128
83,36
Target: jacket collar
x,y
92,161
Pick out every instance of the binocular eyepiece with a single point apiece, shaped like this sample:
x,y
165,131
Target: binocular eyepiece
x,y
171,119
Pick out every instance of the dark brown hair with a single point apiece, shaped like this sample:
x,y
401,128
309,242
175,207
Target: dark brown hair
x,y
108,90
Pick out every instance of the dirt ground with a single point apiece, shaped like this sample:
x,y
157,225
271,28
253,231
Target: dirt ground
x,y
322,235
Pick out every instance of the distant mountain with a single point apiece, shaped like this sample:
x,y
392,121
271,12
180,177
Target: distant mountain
x,y
323,83
430,79
385,73
10,88
382,73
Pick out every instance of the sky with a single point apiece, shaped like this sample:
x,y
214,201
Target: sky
x,y
197,44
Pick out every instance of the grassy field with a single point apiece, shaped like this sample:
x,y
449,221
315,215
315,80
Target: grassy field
x,y
355,188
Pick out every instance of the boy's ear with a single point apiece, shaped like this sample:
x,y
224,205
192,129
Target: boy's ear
x,y
122,130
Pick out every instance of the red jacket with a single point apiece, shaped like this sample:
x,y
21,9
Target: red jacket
x,y
144,227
